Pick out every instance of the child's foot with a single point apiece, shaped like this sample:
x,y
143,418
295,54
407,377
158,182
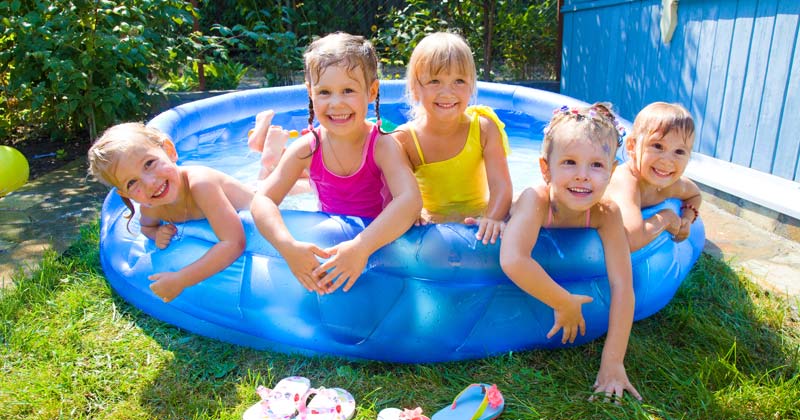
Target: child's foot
x,y
256,136
274,146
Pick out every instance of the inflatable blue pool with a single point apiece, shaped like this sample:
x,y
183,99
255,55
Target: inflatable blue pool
x,y
433,295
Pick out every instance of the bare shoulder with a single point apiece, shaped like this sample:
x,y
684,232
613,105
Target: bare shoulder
x,y
623,182
489,130
402,134
488,126
531,199
606,212
208,181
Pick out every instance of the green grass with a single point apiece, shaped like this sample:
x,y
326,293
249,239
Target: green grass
x,y
723,348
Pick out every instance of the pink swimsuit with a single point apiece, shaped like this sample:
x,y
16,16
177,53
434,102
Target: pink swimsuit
x,y
363,193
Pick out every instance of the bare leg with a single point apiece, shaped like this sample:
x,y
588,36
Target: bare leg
x,y
273,148
257,136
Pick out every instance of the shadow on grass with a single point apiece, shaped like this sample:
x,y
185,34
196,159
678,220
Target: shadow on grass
x,y
721,349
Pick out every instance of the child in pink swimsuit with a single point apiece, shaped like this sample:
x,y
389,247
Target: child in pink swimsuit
x,y
578,157
354,169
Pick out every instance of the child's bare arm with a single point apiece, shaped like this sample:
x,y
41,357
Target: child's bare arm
x,y
497,174
300,256
515,260
612,380
152,228
209,196
351,257
689,193
491,225
624,191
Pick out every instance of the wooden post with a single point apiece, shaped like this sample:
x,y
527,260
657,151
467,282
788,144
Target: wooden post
x,y
559,39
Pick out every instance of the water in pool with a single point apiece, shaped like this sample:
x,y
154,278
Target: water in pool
x,y
226,149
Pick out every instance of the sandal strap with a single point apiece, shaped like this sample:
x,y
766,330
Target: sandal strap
x,y
303,410
481,407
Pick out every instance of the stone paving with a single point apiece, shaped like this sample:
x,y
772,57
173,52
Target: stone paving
x,y
47,214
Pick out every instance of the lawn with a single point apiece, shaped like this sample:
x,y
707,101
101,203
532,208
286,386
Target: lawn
x,y
71,348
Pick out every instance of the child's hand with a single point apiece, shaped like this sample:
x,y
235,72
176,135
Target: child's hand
x,y
164,235
570,318
672,220
423,219
683,233
490,230
257,136
302,261
612,381
347,264
167,285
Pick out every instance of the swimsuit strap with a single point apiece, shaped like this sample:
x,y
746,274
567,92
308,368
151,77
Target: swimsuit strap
x,y
416,143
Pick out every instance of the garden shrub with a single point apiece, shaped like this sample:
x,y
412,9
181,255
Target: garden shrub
x,y
74,68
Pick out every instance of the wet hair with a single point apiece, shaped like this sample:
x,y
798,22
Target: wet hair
x,y
596,120
437,53
660,118
115,143
353,52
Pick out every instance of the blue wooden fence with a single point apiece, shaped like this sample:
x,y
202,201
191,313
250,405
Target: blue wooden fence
x,y
735,65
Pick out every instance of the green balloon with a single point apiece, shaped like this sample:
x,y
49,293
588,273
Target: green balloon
x,y
13,170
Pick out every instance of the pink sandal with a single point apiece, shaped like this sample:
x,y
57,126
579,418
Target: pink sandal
x,y
404,414
327,404
281,402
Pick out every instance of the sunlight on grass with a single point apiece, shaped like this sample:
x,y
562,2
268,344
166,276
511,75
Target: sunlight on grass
x,y
723,348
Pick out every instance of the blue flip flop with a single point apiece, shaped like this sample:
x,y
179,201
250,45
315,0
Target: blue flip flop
x,y
475,402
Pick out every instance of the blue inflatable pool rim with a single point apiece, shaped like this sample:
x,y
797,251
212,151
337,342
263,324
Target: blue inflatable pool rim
x,y
435,294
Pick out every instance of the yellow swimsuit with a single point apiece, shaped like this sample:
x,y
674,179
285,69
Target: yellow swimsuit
x,y
457,187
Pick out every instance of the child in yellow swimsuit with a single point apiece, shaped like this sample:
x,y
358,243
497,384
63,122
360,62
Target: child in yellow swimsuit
x,y
458,151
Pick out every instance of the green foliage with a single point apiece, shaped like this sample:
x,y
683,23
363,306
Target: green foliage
x,y
527,36
409,25
218,75
269,39
522,43
73,68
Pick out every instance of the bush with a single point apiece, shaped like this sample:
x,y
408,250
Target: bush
x,y
219,76
73,68
522,41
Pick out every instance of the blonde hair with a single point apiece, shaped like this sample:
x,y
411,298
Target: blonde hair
x,y
660,118
116,142
437,53
597,121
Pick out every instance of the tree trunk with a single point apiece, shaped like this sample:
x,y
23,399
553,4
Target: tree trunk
x,y
489,7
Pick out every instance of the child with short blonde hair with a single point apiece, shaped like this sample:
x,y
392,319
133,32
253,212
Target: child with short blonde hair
x,y
578,158
458,151
140,162
658,152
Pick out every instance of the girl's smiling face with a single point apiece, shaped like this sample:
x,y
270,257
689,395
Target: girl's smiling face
x,y
445,95
149,175
578,170
661,160
341,99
